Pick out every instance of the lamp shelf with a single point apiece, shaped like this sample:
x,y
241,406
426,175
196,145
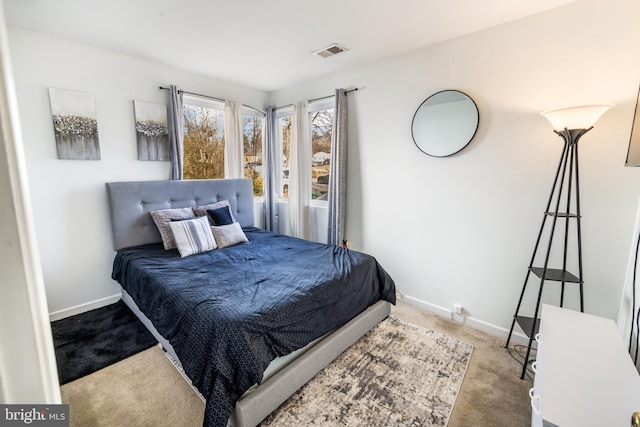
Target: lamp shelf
x,y
570,124
526,324
555,274
562,214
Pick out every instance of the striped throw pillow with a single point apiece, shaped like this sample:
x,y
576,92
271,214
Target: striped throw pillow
x,y
193,236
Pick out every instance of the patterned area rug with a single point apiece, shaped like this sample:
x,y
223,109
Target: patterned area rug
x,y
398,374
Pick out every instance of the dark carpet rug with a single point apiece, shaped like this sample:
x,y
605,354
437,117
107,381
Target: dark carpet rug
x,y
90,341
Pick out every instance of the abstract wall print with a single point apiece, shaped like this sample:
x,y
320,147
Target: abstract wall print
x,y
151,130
75,125
633,152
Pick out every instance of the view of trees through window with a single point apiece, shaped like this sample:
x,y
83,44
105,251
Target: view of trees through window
x,y
203,142
321,125
252,141
284,139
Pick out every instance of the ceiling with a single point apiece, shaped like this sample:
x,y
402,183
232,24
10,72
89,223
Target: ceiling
x,y
264,44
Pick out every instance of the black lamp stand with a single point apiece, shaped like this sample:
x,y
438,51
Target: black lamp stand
x,y
564,192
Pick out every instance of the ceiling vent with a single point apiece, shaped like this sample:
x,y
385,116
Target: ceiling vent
x,y
330,50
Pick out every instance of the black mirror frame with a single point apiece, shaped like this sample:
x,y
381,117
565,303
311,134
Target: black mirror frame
x,y
470,138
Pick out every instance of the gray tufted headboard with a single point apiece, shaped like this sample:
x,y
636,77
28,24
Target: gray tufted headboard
x,y
130,203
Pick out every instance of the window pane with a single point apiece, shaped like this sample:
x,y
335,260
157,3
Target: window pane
x,y
284,139
321,125
203,142
252,130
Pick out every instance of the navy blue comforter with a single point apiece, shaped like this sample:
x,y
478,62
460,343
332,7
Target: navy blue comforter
x,y
229,312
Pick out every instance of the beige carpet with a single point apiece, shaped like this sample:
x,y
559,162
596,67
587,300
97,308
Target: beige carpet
x,y
146,390
143,390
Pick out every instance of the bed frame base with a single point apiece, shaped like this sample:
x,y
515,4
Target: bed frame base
x,y
270,394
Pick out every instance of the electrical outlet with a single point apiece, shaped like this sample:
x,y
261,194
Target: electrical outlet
x,y
457,309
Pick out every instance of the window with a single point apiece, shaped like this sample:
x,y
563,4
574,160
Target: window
x,y
203,138
321,123
204,141
204,144
320,127
252,125
284,120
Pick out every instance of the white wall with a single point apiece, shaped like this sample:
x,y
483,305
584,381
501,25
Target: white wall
x,y
461,229
27,362
449,230
69,203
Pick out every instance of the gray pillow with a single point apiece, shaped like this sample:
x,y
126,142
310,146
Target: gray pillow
x,y
163,218
228,235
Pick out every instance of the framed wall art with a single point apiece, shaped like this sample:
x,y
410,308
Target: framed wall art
x,y
152,133
75,124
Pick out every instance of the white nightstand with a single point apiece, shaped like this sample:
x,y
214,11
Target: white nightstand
x,y
584,374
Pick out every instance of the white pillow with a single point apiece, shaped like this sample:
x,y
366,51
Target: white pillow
x,y
164,217
193,236
228,235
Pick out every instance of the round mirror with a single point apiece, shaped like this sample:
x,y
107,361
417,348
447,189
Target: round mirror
x,y
445,123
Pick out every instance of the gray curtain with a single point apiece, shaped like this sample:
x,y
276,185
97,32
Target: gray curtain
x,y
270,166
338,171
174,117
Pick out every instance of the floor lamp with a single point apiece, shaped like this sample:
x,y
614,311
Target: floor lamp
x,y
570,124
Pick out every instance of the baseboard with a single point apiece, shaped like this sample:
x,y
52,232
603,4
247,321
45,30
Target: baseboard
x,y
81,308
516,338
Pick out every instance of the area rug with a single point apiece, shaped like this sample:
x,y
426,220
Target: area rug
x,y
90,341
398,374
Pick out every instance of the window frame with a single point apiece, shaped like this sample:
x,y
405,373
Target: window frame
x,y
200,101
314,107
281,113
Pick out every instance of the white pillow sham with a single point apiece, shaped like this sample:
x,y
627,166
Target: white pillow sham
x,y
193,236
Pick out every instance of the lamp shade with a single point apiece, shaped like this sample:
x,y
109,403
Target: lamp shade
x,y
582,117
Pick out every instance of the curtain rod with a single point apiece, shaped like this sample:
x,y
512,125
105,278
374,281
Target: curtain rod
x,y
321,98
212,97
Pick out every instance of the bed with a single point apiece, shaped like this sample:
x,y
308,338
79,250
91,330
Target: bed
x,y
250,323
